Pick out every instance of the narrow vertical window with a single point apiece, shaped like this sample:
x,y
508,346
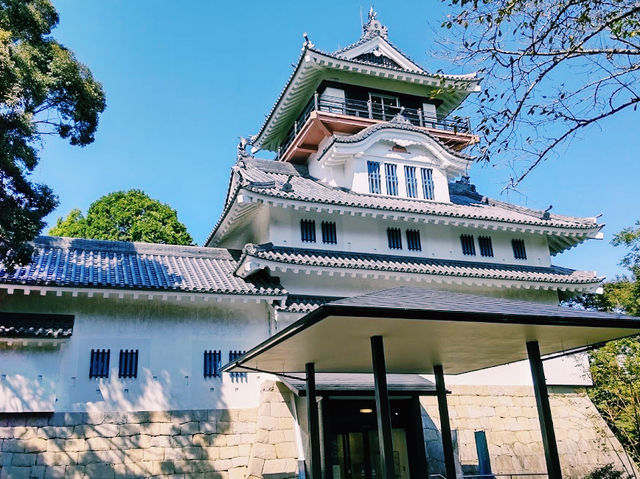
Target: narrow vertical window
x,y
308,231
519,251
394,236
411,181
468,246
128,363
329,232
427,183
233,355
486,248
99,365
373,168
413,240
391,177
212,360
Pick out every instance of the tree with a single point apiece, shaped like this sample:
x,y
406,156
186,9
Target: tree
x,y
125,216
44,91
615,368
551,69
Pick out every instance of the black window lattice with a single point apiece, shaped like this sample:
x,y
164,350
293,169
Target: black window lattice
x,y
411,181
391,176
99,365
329,232
212,363
413,240
308,231
373,169
519,251
486,248
233,355
468,246
128,363
394,236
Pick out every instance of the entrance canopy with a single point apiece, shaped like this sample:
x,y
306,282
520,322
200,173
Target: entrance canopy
x,y
423,328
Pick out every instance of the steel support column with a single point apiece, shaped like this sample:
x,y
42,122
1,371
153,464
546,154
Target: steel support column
x,y
315,467
445,426
383,409
544,412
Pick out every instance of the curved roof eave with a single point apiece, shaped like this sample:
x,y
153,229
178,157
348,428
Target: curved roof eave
x,y
470,79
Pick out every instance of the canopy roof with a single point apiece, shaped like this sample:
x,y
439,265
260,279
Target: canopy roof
x,y
350,383
422,328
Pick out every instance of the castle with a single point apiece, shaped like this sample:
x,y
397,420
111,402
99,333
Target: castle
x,y
110,352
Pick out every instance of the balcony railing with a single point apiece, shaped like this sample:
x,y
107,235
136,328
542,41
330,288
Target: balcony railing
x,y
373,111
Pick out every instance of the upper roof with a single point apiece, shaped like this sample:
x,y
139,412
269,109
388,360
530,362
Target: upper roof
x,y
373,62
32,325
121,265
263,179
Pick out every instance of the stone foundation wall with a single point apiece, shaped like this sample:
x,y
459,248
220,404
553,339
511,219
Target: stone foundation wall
x,y
224,444
509,417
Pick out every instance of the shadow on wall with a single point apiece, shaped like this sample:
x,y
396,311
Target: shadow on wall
x,y
221,443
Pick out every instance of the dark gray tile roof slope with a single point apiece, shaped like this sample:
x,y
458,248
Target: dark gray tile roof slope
x,y
296,303
352,382
409,298
140,266
267,177
41,326
406,264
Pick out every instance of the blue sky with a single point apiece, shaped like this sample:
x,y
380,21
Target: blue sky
x,y
185,79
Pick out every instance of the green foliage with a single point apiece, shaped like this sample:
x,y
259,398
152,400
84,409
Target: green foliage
x,y
615,368
607,472
125,216
44,91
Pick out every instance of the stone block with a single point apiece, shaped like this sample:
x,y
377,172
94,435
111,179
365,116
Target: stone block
x,y
240,461
133,455
106,430
74,445
274,466
74,472
13,472
248,415
244,449
100,470
98,444
208,426
66,419
255,467
55,472
203,466
23,459
116,417
180,441
219,440
37,472
189,428
286,450
90,457
267,422
227,452
222,464
93,417
128,429
161,441
35,445
280,409
12,445
238,473
285,423
57,458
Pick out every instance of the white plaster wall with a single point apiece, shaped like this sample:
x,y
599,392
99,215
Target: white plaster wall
x,y
171,337
369,235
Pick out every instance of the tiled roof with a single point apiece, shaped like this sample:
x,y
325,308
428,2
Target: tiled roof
x,y
268,177
416,265
296,303
41,326
135,266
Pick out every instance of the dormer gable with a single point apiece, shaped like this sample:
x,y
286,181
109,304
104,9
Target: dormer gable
x,y
389,159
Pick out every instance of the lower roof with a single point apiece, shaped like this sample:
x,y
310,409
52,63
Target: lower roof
x,y
423,328
350,383
71,262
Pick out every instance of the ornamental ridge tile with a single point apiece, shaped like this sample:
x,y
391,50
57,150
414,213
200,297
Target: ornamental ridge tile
x,y
86,263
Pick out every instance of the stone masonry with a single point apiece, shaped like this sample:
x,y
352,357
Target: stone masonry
x,y
224,444
509,417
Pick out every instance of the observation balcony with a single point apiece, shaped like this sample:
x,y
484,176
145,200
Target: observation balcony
x,y
326,115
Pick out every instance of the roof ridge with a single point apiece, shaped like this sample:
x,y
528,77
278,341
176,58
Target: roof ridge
x,y
130,247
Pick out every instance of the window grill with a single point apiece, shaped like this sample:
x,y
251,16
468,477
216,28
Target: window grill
x,y
212,363
427,183
128,363
99,365
308,231
468,246
411,181
391,176
519,251
413,240
373,168
486,248
233,355
329,232
394,236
